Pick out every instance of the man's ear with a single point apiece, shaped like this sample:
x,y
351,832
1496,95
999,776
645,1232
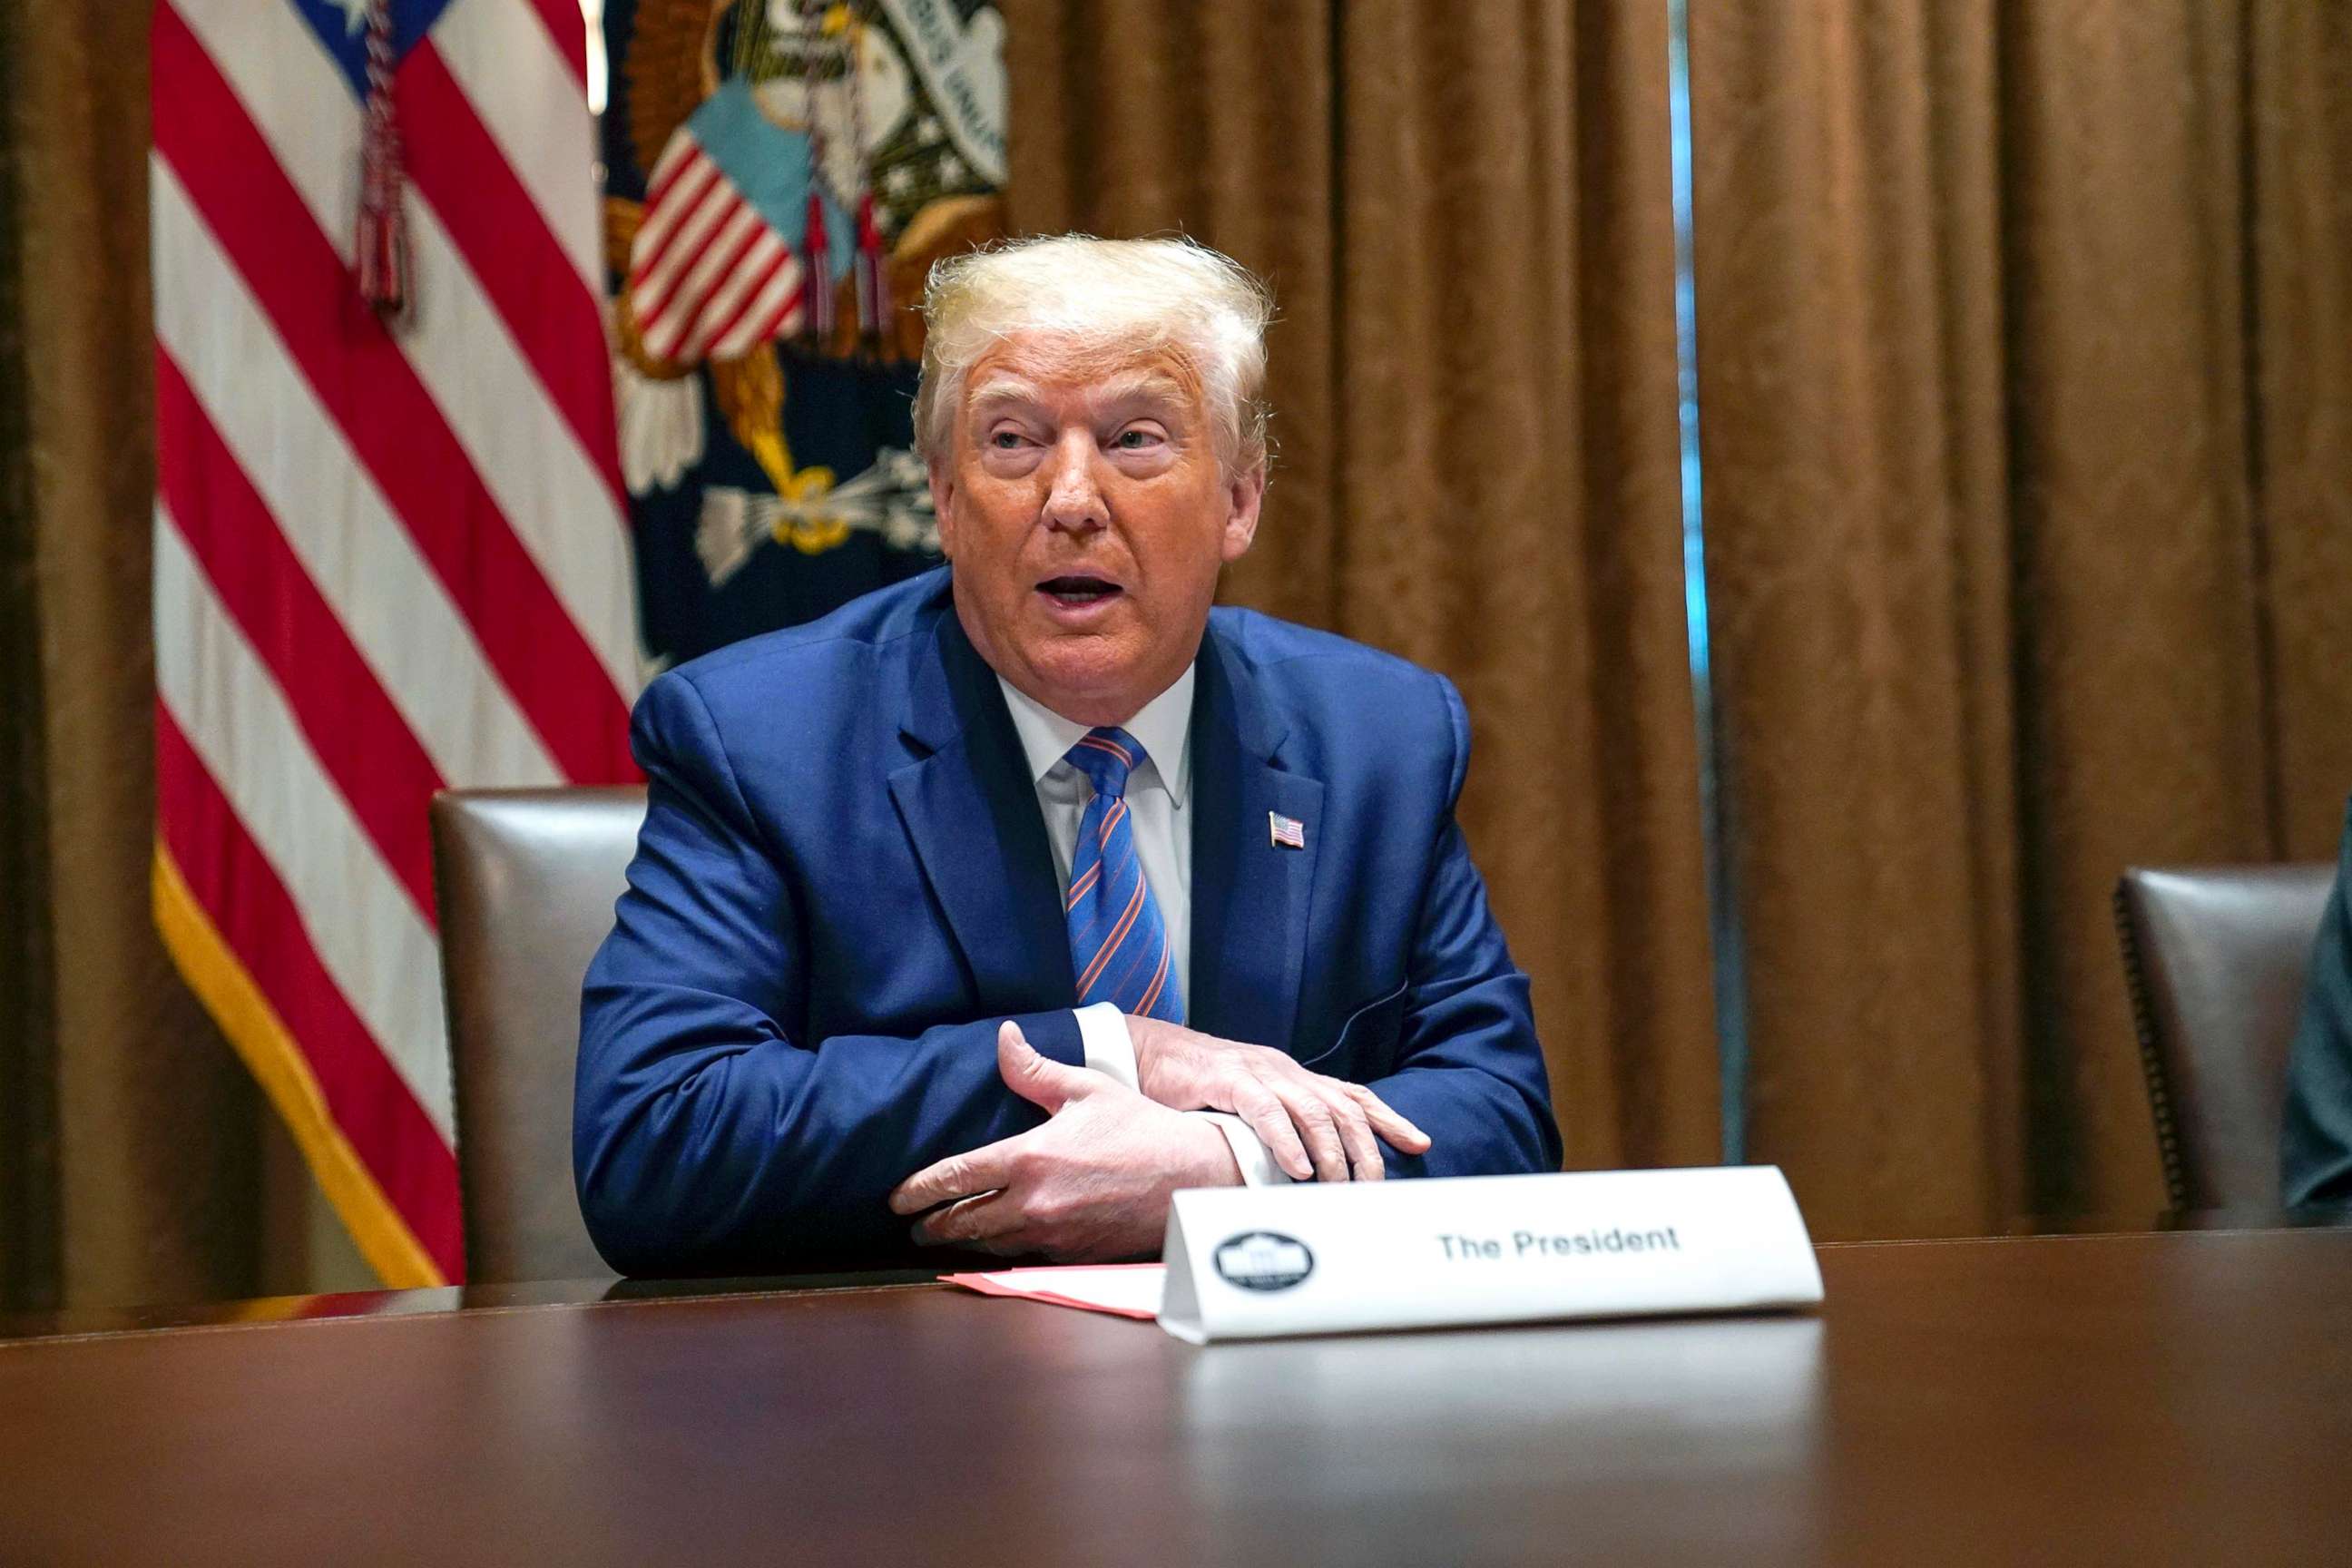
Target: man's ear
x,y
1245,494
942,481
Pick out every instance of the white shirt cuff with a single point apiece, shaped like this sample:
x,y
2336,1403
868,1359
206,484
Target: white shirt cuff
x,y
1102,1033
1258,1169
1110,1050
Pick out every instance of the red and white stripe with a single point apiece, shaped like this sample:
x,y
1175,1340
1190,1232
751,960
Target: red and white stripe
x,y
387,559
709,277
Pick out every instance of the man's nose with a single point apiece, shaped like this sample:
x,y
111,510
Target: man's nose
x,y
1075,502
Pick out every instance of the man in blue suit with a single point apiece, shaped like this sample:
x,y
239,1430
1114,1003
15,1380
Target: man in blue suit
x,y
999,905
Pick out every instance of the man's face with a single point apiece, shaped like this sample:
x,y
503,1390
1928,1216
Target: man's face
x,y
1082,503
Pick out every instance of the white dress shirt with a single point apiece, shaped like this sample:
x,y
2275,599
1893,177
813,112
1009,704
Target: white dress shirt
x,y
1157,793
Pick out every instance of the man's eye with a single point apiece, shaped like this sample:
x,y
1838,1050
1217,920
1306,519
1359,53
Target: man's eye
x,y
1132,440
1005,440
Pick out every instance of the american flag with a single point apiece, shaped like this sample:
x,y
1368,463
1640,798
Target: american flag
x,y
389,557
1286,832
710,274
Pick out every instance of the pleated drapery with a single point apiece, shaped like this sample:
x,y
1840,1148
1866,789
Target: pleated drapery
x,y
134,1167
2022,371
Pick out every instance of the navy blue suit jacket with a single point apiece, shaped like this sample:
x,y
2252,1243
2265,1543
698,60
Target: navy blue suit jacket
x,y
844,884
2316,1141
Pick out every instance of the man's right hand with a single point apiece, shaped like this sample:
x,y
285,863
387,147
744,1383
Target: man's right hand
x,y
1315,1127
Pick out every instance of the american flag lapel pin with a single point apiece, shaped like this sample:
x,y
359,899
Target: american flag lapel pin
x,y
1286,832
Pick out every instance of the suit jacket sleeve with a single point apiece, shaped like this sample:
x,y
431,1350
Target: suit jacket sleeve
x,y
707,1137
1469,1071
2316,1141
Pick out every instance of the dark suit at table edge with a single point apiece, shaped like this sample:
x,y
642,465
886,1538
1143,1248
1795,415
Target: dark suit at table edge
x,y
2315,1137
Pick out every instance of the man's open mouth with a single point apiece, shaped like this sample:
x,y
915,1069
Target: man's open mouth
x,y
1075,591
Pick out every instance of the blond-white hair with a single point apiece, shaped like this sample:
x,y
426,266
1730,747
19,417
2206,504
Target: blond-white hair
x,y
1096,296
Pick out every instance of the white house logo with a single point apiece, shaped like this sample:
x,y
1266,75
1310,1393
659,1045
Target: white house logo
x,y
1264,1261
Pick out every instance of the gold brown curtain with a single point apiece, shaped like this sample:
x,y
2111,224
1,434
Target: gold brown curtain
x,y
133,1163
1465,212
2022,396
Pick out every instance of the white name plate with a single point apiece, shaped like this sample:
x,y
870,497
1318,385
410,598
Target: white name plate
x,y
1262,1262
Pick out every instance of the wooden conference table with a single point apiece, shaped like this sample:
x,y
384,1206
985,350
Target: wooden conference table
x,y
2124,1398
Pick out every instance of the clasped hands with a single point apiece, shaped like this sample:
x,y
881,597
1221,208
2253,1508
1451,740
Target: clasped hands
x,y
1093,1182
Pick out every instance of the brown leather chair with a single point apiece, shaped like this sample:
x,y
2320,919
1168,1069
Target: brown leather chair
x,y
2216,958
526,880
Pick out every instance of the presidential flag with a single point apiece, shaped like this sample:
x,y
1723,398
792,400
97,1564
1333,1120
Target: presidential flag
x,y
780,177
392,551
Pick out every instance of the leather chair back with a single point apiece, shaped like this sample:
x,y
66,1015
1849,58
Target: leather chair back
x,y
527,879
2216,957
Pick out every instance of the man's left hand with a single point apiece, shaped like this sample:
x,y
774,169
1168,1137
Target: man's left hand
x,y
1091,1185
1313,1125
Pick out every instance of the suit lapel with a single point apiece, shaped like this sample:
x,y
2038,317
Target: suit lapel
x,y
968,804
1250,899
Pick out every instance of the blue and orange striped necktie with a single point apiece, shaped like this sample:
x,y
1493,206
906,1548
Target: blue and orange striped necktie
x,y
1120,947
